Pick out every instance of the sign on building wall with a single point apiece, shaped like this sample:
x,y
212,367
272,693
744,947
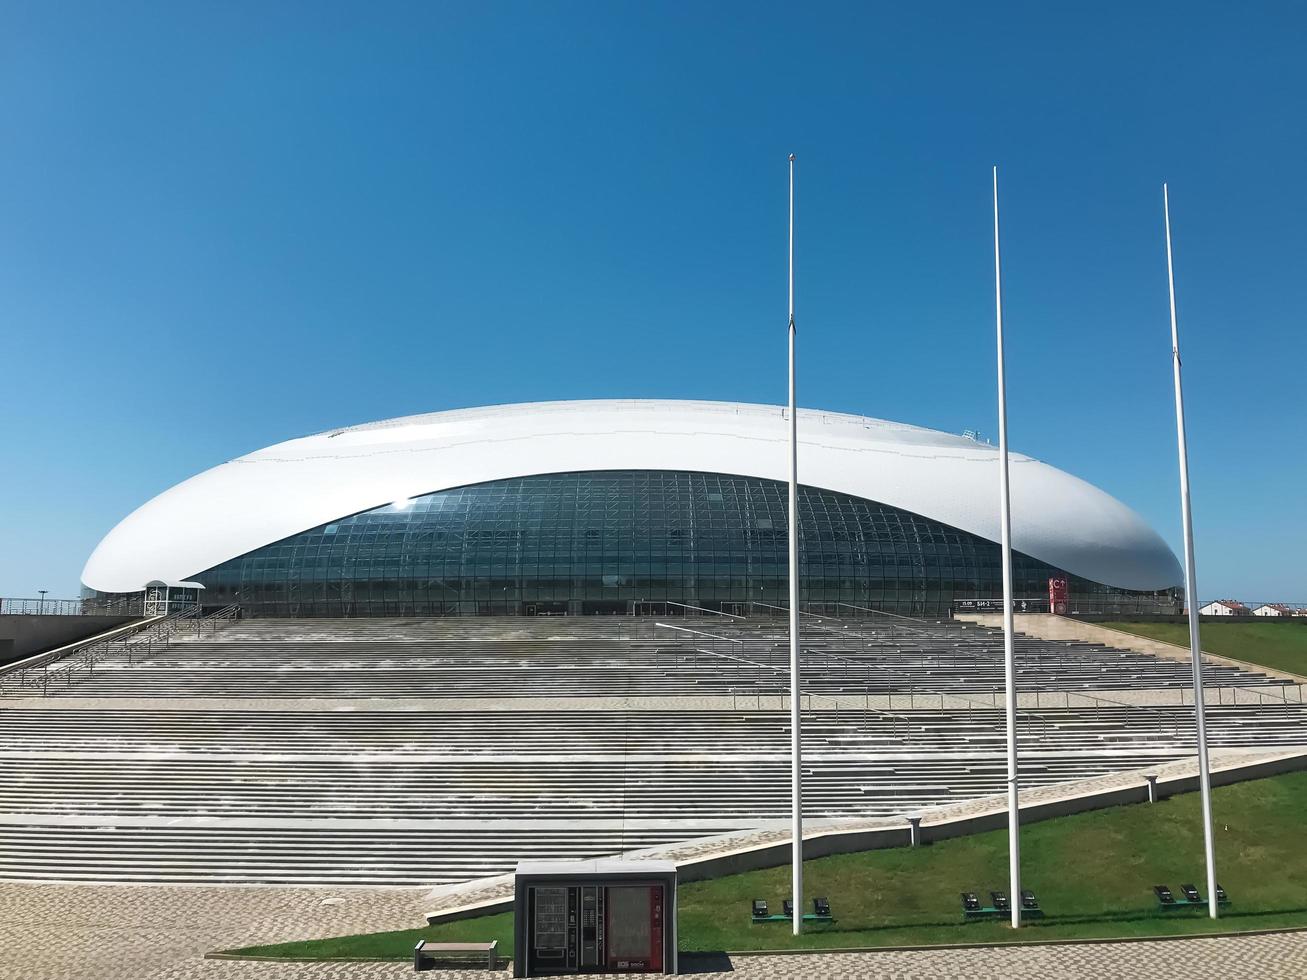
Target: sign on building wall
x,y
1057,595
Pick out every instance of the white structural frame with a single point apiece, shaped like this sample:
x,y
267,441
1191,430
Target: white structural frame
x,y
796,702
1191,580
288,488
1009,629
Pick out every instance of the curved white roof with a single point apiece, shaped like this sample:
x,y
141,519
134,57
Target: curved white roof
x,y
271,494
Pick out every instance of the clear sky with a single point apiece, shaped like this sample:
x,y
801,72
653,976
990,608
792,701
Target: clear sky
x,y
227,224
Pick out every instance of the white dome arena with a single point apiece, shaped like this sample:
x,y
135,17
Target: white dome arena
x,y
274,494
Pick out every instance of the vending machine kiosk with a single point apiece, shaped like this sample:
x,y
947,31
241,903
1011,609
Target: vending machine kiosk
x,y
575,917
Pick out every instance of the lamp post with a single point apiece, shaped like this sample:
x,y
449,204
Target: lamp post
x,y
40,608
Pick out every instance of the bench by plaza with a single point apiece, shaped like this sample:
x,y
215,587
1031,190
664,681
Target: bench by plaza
x,y
1001,906
820,912
427,954
1166,900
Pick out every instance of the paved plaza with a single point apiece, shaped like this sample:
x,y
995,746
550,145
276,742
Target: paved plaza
x,y
95,932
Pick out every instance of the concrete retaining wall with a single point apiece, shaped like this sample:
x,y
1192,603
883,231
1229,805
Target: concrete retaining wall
x,y
775,854
844,842
23,636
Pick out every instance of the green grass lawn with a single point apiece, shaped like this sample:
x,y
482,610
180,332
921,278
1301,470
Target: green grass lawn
x,y
1093,874
1282,646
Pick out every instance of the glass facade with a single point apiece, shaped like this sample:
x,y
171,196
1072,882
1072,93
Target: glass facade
x,y
622,542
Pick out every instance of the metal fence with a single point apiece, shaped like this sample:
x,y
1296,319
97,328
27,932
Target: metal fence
x,y
1113,606
127,606
135,642
1278,607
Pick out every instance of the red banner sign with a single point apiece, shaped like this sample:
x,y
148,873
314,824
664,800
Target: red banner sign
x,y
1057,593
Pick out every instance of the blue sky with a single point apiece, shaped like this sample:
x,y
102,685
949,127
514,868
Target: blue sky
x,y
227,224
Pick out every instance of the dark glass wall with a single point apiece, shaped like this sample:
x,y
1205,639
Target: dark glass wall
x,y
605,542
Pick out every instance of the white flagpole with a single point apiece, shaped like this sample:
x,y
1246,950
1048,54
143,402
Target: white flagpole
x,y
796,740
1191,582
1009,655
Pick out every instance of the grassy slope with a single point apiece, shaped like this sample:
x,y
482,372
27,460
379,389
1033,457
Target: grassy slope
x,y
1093,873
1282,646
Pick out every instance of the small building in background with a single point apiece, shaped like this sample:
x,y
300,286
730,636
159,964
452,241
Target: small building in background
x,y
1273,609
1223,607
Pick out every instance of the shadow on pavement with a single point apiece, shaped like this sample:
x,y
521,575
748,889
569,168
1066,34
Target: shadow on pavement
x,y
692,963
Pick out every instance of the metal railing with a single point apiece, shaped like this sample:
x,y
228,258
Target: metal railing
x,y
782,609
738,654
880,612
717,640
224,615
136,642
1030,717
696,609
1109,606
41,671
127,606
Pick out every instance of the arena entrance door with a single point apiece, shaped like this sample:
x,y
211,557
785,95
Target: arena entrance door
x,y
163,598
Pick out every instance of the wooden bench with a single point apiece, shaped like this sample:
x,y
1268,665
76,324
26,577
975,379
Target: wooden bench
x,y
427,954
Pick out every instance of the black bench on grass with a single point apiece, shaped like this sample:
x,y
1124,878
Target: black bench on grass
x,y
759,911
1001,907
1166,900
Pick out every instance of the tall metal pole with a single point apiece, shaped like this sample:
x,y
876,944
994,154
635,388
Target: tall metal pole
x,y
1009,654
1191,581
796,739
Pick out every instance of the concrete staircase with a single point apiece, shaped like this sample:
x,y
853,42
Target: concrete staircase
x,y
402,797
618,656
405,751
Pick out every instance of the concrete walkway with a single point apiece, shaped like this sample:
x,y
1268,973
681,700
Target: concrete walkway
x,y
80,932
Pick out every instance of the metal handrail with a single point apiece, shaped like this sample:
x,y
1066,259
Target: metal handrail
x,y
881,612
120,635
784,609
1030,714
1258,689
866,707
227,613
683,605
70,607
685,629
38,671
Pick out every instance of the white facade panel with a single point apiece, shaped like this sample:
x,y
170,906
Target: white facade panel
x,y
271,494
